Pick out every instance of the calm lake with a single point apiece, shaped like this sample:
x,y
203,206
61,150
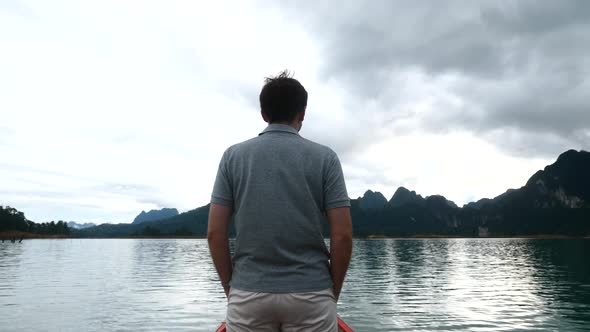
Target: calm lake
x,y
392,285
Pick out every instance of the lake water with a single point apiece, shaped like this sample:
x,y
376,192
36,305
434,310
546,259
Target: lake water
x,y
392,285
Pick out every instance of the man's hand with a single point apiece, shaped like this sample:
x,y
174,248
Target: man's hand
x,y
340,245
218,239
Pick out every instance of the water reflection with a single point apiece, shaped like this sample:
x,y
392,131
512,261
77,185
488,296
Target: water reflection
x,y
563,275
178,278
392,285
468,284
490,286
10,259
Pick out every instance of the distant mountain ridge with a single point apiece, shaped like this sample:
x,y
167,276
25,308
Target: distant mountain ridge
x,y
154,215
563,184
403,196
76,225
372,200
554,201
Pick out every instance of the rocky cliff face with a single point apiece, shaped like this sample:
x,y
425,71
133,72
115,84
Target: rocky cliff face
x,y
565,183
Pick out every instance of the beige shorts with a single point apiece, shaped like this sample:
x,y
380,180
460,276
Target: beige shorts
x,y
289,312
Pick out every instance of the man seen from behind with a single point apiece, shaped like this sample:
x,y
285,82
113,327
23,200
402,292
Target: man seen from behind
x,y
280,189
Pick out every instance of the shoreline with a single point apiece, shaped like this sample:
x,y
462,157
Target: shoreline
x,y
29,236
428,236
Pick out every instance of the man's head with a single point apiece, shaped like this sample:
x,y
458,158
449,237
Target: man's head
x,y
283,100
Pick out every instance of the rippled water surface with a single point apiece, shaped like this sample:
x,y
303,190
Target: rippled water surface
x,y
392,285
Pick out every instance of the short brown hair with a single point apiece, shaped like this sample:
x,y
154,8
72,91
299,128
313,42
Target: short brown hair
x,y
282,98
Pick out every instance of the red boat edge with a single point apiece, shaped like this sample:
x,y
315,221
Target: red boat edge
x,y
342,327
221,328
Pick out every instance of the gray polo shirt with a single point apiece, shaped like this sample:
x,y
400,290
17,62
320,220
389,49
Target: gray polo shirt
x,y
280,186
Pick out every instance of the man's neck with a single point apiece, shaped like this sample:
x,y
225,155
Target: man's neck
x,y
294,124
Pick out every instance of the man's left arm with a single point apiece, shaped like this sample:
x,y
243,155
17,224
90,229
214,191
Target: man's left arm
x,y
218,239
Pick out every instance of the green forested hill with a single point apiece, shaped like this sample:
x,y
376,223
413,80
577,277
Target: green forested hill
x,y
555,201
12,220
190,223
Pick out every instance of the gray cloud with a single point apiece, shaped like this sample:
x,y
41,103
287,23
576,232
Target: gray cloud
x,y
43,203
140,193
509,66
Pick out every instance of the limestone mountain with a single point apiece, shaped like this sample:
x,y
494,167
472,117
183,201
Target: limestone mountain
x,y
554,201
565,184
372,200
190,223
487,201
439,201
154,215
403,196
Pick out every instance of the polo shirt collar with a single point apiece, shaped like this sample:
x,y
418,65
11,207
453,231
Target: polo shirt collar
x,y
280,128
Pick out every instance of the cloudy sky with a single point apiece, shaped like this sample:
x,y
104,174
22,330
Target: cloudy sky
x,y
108,108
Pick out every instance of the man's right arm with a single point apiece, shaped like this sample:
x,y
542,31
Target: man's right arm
x,y
340,224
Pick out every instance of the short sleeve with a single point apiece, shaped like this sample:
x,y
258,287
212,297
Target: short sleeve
x,y
222,189
335,194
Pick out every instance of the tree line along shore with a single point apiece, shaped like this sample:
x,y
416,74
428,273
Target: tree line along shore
x,y
554,203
